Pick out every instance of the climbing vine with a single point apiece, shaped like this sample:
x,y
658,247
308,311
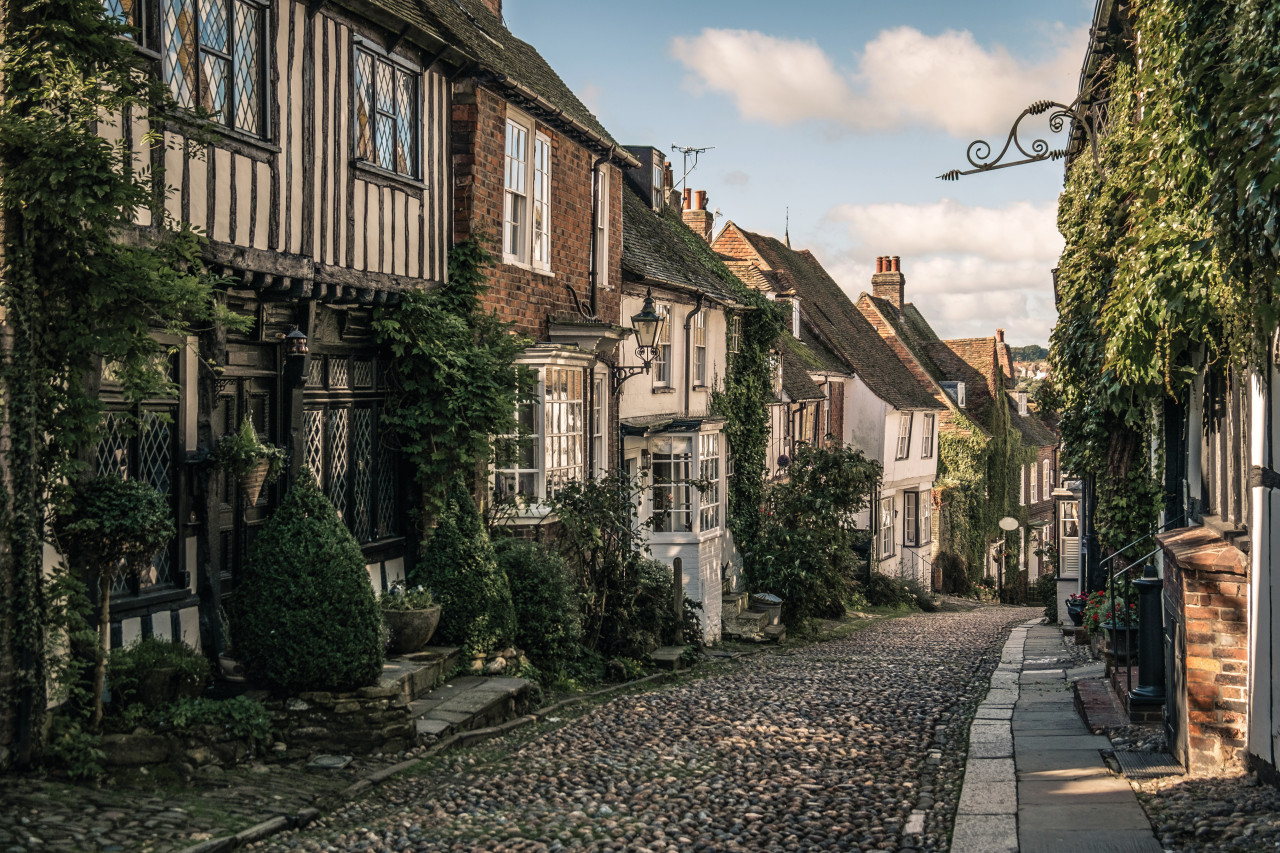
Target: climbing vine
x,y
745,401
81,287
456,383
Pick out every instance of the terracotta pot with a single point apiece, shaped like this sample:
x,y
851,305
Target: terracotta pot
x,y
411,629
253,480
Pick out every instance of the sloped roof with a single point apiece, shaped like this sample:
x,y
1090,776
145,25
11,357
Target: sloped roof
x,y
796,381
660,248
516,68
830,319
1035,431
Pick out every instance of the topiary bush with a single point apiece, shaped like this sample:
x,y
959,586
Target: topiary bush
x,y
304,616
1046,592
459,566
884,591
548,621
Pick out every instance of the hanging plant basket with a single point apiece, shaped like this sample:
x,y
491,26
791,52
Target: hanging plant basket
x,y
254,478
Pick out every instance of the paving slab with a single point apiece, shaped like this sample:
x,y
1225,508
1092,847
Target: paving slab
x,y
1088,841
1108,817
985,834
989,797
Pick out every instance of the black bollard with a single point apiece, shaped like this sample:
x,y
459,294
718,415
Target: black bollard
x,y
1150,637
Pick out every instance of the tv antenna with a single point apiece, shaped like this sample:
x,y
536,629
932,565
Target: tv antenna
x,y
688,151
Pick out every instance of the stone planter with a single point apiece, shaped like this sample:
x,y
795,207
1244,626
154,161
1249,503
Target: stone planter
x,y
230,669
1076,614
411,629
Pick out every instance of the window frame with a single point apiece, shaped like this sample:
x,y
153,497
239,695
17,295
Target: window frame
x,y
399,67
660,367
910,519
681,502
527,206
928,430
1022,485
926,518
905,420
600,251
561,413
1023,409
172,67
541,419
1033,476
733,343
699,337
1047,471
709,468
886,537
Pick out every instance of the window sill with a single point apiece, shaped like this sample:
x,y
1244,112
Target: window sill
x,y
386,177
663,389
239,141
543,271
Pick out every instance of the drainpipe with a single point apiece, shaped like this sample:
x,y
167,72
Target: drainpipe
x,y
688,351
595,217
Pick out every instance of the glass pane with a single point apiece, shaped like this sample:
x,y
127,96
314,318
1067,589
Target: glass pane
x,y
364,107
178,46
384,132
407,125
362,446
385,88
213,25
338,460
248,99
214,83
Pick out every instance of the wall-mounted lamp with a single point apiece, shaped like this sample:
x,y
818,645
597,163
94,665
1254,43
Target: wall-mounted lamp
x,y
296,356
647,326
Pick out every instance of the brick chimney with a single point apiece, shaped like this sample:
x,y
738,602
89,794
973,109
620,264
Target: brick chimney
x,y
888,281
1000,336
494,6
696,215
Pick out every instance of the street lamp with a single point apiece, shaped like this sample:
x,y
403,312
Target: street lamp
x,y
647,325
296,357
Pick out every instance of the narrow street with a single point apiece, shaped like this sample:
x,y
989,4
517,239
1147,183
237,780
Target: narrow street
x,y
829,748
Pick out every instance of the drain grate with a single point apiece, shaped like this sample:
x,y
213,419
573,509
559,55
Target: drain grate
x,y
1147,765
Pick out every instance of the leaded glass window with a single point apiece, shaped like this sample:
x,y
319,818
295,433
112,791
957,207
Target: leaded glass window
x,y
386,102
355,468
213,57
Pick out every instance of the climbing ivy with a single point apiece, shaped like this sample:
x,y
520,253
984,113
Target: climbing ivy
x,y
81,286
744,401
455,381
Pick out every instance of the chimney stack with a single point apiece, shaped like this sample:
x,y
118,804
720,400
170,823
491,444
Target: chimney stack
x,y
494,6
889,282
1000,335
696,215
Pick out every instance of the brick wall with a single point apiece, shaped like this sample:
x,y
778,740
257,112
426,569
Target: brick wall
x,y
522,296
1207,594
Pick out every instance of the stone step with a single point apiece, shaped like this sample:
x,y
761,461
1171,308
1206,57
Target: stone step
x,y
733,604
415,674
749,626
776,633
668,657
469,702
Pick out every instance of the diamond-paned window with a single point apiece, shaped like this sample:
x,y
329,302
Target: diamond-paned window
x,y
362,373
212,57
314,424
315,372
339,461
387,109
337,372
362,460
355,468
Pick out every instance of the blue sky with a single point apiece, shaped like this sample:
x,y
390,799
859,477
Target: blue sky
x,y
845,112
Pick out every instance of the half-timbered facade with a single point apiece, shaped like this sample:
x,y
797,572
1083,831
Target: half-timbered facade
x,y
313,154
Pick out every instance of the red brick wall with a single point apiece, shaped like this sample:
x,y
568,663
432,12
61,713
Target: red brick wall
x,y
519,295
1207,585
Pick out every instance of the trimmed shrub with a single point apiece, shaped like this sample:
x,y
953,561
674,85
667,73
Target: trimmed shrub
x,y
1046,592
304,616
458,565
884,591
548,622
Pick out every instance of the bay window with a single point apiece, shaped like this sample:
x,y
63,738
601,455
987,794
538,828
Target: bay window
x,y
549,449
709,471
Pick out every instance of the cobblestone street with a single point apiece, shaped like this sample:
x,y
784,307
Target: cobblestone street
x,y
854,744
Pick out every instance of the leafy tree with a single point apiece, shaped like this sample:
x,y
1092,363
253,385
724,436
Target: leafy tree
x,y
807,532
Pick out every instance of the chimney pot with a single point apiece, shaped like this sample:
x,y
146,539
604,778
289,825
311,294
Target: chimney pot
x,y
1000,335
688,196
888,283
880,264
699,199
897,264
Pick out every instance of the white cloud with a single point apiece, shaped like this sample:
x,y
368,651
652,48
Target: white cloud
x,y
902,77
970,270
737,178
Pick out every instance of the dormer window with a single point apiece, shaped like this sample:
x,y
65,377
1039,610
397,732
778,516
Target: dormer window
x,y
1022,403
955,390
795,318
658,199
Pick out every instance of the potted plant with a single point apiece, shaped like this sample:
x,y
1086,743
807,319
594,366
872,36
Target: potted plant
x,y
229,667
411,615
1122,629
254,464
1075,607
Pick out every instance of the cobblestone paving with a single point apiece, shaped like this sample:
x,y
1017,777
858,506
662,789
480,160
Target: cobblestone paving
x,y
824,749
1198,815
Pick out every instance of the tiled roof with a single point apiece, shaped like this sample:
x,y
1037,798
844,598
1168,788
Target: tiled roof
x,y
831,320
1035,431
796,381
517,67
660,248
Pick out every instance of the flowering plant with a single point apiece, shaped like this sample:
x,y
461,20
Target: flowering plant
x,y
1098,609
1077,599
400,597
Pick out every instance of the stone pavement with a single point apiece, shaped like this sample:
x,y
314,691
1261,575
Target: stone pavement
x,y
1035,779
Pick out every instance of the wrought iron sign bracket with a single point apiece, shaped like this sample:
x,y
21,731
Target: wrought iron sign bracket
x,y
1084,111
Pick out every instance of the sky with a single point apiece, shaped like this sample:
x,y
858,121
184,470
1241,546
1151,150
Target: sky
x,y
844,112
